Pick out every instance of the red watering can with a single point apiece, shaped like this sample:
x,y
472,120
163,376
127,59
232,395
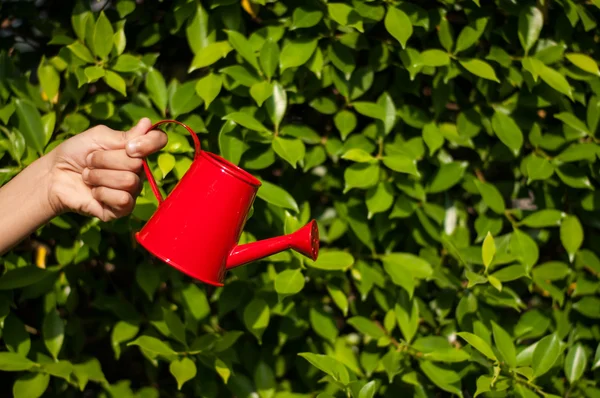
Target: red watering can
x,y
197,227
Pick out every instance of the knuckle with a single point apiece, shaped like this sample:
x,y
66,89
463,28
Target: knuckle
x,y
124,199
94,159
131,180
136,164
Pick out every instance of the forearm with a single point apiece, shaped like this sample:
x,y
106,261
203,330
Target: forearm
x,y
25,204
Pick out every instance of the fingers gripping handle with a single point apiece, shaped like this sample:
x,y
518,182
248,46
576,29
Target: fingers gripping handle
x,y
147,169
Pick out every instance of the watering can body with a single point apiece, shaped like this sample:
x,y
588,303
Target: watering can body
x,y
196,228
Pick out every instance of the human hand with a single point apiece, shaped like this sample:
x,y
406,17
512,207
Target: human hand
x,y
98,172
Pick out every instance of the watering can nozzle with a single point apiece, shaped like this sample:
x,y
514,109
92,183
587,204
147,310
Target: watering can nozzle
x,y
305,241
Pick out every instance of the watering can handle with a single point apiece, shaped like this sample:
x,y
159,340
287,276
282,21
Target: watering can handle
x,y
147,169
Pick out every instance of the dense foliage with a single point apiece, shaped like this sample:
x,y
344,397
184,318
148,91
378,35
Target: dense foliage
x,y
448,150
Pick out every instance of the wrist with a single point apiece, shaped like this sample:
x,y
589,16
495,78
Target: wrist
x,y
45,171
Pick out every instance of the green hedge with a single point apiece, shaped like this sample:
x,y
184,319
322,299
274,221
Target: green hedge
x,y
448,150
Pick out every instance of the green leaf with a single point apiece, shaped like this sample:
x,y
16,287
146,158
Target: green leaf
x,y
407,315
588,306
154,345
448,355
329,365
241,75
571,235
296,53
94,73
479,344
398,25
176,327
505,345
53,332
551,271
345,15
210,54
446,34
290,149
49,80
157,89
276,105
358,155
530,25
304,17
31,385
345,121
434,58
184,370
368,390
339,298
491,196
81,52
246,120
433,138
573,176
115,81
14,362
447,380
195,302
379,199
277,196
543,218
507,131
256,317
491,384
103,33
524,248
571,120
584,62
166,163
577,152
127,63
289,282
323,324
488,250
261,91
447,176
596,362
545,354
208,88
243,47
366,326
539,169
30,125
470,34
269,57
265,381
332,261
361,176
557,81
22,277
575,363
122,331
15,336
200,30
402,164
480,68
184,99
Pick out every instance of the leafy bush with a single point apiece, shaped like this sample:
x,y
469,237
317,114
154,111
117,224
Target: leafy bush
x,y
447,148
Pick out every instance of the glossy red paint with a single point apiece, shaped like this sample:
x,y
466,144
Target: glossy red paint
x,y
197,227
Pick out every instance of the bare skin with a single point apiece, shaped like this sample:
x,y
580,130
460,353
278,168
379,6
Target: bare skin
x,y
95,173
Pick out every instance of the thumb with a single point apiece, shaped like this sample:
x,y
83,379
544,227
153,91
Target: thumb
x,y
139,129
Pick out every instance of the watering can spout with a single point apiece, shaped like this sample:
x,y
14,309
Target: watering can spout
x,y
305,241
